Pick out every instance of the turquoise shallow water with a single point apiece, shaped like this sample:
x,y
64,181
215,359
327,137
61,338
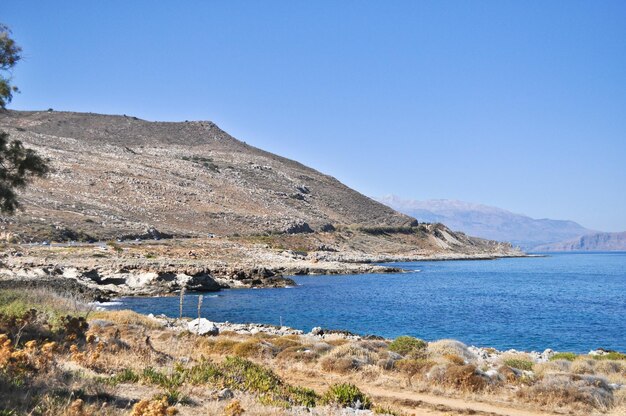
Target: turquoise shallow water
x,y
568,302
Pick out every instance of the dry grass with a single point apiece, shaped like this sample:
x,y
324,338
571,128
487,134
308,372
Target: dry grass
x,y
127,317
445,347
565,391
134,343
461,377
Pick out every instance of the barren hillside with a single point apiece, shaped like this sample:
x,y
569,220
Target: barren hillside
x,y
118,175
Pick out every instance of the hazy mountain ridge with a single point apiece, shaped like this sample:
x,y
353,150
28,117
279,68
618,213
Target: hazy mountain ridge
x,y
590,242
489,222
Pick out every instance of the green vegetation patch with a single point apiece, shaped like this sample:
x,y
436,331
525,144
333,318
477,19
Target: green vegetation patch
x,y
234,372
30,304
569,356
524,365
206,162
613,355
406,345
346,395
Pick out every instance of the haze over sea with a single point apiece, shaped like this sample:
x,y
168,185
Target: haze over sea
x,y
567,302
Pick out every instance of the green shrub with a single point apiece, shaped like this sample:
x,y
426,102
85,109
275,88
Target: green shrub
x,y
406,345
613,355
519,364
346,395
383,410
569,356
204,373
126,376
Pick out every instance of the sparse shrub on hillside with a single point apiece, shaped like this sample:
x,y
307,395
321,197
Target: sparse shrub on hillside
x,y
612,355
346,395
520,364
407,346
583,366
251,348
348,357
412,367
462,377
234,408
154,407
581,393
569,356
298,354
556,366
454,359
384,410
449,346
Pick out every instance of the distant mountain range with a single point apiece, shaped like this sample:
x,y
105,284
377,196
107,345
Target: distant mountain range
x,y
590,242
492,223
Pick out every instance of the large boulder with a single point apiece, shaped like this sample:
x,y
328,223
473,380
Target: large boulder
x,y
202,326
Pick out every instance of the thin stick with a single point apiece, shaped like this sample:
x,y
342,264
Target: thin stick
x,y
199,305
182,301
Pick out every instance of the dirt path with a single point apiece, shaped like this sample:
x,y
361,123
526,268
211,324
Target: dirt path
x,y
422,404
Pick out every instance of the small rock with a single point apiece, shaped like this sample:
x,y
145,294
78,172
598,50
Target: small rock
x,y
317,331
225,394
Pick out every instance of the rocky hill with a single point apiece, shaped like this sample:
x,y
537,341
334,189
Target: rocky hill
x,y
489,222
590,242
117,175
226,214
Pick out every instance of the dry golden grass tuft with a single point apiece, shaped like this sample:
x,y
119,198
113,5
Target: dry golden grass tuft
x,y
252,348
565,391
283,343
461,377
154,407
298,354
126,317
450,347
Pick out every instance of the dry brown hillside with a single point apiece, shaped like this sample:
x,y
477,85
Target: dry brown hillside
x,y
119,175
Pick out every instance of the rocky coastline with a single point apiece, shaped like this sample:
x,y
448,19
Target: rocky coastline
x,y
102,271
488,360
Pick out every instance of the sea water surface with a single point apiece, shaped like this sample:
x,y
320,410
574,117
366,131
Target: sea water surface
x,y
567,302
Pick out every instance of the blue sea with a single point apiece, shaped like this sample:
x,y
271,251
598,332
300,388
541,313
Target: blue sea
x,y
567,302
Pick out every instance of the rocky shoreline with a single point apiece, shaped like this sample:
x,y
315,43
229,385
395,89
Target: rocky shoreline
x,y
105,270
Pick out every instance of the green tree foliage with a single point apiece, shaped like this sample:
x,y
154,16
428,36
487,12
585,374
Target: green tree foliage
x,y
10,54
17,163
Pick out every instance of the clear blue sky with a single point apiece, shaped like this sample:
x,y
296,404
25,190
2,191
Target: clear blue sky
x,y
520,105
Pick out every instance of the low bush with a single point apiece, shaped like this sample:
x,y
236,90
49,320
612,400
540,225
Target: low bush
x,y
569,356
518,363
454,359
583,366
155,407
249,348
346,395
449,346
462,377
577,393
339,365
612,355
406,345
298,354
413,367
234,408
